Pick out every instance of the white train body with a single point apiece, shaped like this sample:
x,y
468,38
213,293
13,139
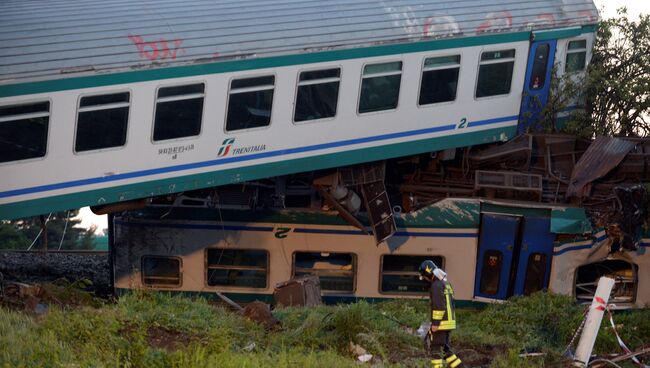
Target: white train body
x,y
64,78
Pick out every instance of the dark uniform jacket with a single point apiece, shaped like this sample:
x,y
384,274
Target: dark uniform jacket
x,y
442,305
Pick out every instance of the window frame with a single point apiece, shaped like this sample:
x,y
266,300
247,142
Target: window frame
x,y
355,268
227,105
569,51
399,95
47,139
206,269
407,293
422,70
155,108
295,97
128,120
180,272
478,71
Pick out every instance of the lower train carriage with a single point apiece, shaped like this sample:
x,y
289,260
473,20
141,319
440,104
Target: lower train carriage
x,y
490,250
114,102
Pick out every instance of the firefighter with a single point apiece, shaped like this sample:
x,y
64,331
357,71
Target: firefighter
x,y
443,319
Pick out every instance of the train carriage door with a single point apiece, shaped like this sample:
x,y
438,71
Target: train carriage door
x,y
537,82
497,240
534,265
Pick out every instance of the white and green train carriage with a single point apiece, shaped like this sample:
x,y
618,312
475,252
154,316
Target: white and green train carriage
x,y
109,101
490,250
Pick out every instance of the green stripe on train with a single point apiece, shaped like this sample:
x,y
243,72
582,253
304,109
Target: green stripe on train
x,y
65,84
229,176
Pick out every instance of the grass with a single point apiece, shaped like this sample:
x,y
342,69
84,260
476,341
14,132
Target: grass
x,y
159,330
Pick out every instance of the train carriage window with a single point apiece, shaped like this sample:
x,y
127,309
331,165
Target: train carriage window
x,y
399,274
250,102
491,272
535,273
495,73
237,267
380,87
439,79
23,131
318,93
102,121
540,64
576,56
179,110
161,271
336,271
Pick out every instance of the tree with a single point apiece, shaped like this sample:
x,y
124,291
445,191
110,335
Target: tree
x,y
19,234
617,84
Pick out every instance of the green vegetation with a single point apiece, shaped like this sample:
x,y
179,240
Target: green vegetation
x,y
62,231
159,330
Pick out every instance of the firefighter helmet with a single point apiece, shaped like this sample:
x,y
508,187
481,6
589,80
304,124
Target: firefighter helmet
x,y
426,269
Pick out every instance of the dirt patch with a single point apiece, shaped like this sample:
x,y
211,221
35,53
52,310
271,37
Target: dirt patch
x,y
168,339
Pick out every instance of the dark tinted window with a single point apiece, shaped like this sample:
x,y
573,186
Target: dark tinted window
x,y
317,96
380,87
335,270
495,73
161,271
491,272
102,121
23,131
179,110
399,274
250,103
439,79
538,77
535,272
237,267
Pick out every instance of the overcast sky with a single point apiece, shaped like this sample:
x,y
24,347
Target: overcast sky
x,y
634,7
607,8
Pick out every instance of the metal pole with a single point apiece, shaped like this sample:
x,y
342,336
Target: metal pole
x,y
594,318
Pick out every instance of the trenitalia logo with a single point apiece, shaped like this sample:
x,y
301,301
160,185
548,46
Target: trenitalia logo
x,y
225,147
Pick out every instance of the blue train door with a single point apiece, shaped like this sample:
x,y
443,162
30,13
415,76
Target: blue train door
x,y
514,256
535,253
537,82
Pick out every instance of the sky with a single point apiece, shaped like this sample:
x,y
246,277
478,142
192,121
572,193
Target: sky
x,y
634,7
606,7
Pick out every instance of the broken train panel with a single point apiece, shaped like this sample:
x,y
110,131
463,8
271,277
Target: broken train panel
x,y
578,264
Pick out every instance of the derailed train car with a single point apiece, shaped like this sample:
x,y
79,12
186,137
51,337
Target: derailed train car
x,y
491,250
112,102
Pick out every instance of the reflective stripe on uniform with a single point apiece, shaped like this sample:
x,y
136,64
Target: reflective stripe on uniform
x,y
447,325
437,314
455,363
451,358
436,363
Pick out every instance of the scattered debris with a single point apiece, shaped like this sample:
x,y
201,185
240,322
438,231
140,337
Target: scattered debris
x,y
301,291
261,313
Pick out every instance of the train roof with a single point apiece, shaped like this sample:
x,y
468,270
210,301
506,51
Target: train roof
x,y
44,40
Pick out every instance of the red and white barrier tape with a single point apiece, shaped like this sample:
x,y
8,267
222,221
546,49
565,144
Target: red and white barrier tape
x,y
620,341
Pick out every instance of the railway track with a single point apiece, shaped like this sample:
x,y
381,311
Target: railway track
x,y
67,251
